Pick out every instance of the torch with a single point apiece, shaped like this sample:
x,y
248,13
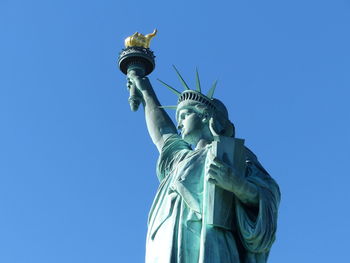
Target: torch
x,y
137,57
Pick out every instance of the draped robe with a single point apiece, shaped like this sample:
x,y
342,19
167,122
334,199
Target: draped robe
x,y
175,220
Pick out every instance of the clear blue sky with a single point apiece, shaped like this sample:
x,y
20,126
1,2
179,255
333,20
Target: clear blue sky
x,y
77,168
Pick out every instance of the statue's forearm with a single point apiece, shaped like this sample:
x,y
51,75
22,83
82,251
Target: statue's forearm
x,y
158,121
245,191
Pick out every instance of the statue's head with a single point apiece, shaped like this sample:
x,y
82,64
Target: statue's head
x,y
197,113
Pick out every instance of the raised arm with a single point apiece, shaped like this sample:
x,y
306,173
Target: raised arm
x,y
159,124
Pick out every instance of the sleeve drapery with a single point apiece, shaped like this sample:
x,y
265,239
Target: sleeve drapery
x,y
257,227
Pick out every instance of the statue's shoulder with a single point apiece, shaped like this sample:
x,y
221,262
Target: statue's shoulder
x,y
174,141
173,146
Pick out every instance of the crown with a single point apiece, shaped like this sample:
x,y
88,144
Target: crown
x,y
222,125
191,95
139,40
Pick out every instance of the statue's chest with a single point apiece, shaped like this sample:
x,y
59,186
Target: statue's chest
x,y
188,179
190,171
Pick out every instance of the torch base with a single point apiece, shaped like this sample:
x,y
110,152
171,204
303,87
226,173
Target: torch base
x,y
136,55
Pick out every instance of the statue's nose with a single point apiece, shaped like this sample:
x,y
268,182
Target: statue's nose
x,y
180,126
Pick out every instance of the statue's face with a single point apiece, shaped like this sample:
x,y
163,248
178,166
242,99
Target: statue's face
x,y
191,125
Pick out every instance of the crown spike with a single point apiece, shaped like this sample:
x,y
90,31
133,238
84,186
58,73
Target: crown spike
x,y
212,89
181,79
172,107
198,83
178,93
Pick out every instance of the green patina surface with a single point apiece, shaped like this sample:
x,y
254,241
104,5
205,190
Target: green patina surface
x,y
215,202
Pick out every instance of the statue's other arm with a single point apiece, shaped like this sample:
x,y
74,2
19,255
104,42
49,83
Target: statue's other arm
x,y
159,124
225,177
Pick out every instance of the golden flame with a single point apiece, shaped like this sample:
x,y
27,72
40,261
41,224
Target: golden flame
x,y
139,40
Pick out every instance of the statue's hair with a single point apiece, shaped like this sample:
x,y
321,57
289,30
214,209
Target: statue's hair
x,y
222,124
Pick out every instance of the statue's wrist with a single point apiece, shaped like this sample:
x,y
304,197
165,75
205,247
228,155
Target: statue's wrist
x,y
143,84
239,184
146,88
246,191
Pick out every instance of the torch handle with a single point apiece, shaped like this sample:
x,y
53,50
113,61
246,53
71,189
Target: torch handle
x,y
134,98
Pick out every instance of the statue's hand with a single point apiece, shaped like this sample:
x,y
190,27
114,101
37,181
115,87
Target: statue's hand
x,y
223,175
134,78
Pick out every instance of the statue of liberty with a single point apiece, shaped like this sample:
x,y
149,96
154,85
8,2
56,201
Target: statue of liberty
x,y
209,208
